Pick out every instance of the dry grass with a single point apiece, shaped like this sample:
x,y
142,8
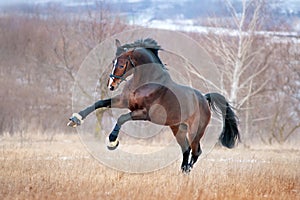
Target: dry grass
x,y
62,169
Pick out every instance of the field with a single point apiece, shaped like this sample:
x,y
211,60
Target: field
x,y
60,168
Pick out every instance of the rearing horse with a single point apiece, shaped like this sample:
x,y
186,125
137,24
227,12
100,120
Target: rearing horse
x,y
152,95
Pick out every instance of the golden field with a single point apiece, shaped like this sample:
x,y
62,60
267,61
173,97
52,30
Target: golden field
x,y
59,167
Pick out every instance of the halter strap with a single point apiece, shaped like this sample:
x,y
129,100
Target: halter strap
x,y
121,77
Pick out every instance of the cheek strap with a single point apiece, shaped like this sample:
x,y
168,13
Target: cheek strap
x,y
121,77
118,77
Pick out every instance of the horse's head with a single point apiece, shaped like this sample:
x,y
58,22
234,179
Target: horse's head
x,y
129,56
121,68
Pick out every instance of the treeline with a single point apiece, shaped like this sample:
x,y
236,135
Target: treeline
x,y
39,58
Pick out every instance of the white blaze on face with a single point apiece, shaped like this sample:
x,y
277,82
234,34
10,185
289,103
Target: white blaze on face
x,y
111,79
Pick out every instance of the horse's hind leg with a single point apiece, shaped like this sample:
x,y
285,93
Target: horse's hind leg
x,y
195,145
196,152
179,132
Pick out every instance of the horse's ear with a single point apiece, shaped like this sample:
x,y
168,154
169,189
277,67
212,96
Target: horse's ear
x,y
118,43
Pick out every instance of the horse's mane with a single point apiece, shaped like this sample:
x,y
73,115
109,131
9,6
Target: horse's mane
x,y
147,43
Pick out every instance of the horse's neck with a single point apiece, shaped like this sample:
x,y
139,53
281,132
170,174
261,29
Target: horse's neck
x,y
150,73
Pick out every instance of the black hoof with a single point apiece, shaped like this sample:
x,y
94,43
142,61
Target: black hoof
x,y
186,169
113,147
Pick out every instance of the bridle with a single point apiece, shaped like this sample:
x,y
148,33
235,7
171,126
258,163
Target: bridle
x,y
122,76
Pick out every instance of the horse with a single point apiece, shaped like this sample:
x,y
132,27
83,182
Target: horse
x,y
151,95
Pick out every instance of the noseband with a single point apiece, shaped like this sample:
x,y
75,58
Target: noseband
x,y
122,76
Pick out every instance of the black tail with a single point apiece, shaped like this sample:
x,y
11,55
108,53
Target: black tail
x,y
230,131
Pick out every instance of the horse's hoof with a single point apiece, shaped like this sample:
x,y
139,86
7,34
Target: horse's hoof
x,y
186,169
75,120
71,123
113,145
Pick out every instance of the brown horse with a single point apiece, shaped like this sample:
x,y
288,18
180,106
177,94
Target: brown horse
x,y
152,95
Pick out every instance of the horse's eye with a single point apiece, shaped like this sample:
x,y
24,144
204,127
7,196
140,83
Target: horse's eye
x,y
121,66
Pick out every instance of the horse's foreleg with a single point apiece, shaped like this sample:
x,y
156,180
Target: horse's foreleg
x,y
77,118
134,115
99,104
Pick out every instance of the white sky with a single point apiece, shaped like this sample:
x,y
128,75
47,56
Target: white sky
x,y
10,2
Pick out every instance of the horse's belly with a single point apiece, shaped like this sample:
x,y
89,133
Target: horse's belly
x,y
170,110
181,103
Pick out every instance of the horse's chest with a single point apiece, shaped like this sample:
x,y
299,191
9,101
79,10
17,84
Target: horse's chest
x,y
142,98
135,102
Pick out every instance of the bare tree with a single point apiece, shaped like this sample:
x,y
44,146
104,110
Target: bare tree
x,y
241,59
285,92
259,73
243,55
39,60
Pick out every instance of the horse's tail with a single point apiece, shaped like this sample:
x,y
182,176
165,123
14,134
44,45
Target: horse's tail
x,y
230,133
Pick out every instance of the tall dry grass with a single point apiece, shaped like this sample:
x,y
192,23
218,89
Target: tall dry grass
x,y
60,168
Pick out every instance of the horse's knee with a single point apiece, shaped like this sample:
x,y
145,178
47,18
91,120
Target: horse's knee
x,y
183,127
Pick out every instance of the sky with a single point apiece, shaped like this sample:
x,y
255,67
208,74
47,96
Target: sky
x,y
11,2
292,3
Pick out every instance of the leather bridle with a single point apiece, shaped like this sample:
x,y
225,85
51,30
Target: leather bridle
x,y
122,76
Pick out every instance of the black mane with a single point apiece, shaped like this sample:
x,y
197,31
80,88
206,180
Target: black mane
x,y
147,43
